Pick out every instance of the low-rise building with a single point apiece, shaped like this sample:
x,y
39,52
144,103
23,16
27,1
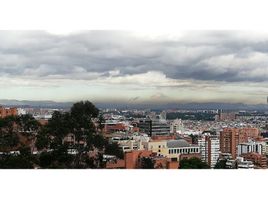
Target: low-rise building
x,y
112,126
5,112
259,161
251,146
178,148
239,163
134,160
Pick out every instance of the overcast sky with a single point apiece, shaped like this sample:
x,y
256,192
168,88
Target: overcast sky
x,y
134,67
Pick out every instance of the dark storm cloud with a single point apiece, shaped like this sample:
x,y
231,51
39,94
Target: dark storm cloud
x,y
214,56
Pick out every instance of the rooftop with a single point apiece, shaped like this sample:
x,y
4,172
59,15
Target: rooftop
x,y
177,143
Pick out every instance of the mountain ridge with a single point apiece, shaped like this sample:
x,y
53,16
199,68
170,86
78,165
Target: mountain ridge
x,y
186,106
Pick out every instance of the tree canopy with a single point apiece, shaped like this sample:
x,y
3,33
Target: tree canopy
x,y
221,164
193,163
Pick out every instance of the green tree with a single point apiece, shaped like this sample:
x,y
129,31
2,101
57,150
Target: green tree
x,y
113,149
193,163
27,123
45,160
101,122
147,163
194,138
221,164
19,133
98,141
82,113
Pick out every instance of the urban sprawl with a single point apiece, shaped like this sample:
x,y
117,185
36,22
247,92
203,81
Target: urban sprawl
x,y
152,139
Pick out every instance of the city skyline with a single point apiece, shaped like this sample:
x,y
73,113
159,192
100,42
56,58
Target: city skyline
x,y
135,66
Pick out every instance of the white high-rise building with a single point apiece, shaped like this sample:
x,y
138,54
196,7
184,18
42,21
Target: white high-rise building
x,y
176,126
209,149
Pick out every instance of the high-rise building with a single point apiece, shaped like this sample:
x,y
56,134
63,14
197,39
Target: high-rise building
x,y
209,149
231,137
223,116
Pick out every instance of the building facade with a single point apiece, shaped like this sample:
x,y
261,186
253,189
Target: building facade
x,y
252,146
209,149
5,112
154,127
231,137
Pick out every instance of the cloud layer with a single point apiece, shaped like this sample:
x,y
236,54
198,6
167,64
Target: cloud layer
x,y
195,60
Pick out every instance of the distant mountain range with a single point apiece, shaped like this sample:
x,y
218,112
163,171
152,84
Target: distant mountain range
x,y
35,104
185,106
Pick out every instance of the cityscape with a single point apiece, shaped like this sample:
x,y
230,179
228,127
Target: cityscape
x,y
85,137
133,100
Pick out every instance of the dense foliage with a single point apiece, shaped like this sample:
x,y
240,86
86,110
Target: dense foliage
x,y
221,164
83,124
193,163
191,116
147,163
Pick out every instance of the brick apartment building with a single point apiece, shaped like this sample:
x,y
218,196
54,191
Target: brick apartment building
x,y
5,112
259,160
111,127
231,137
133,159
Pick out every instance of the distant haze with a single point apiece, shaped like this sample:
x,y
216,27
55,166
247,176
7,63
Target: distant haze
x,y
123,105
135,67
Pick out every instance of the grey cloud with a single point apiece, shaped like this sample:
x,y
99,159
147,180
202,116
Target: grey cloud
x,y
196,55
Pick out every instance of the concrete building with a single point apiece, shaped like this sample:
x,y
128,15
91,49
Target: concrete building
x,y
157,146
112,126
224,116
134,160
259,160
244,164
251,146
176,126
173,148
231,137
154,127
209,149
179,148
129,145
239,163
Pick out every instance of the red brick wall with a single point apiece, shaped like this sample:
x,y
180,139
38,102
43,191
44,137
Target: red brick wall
x,y
5,112
231,137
